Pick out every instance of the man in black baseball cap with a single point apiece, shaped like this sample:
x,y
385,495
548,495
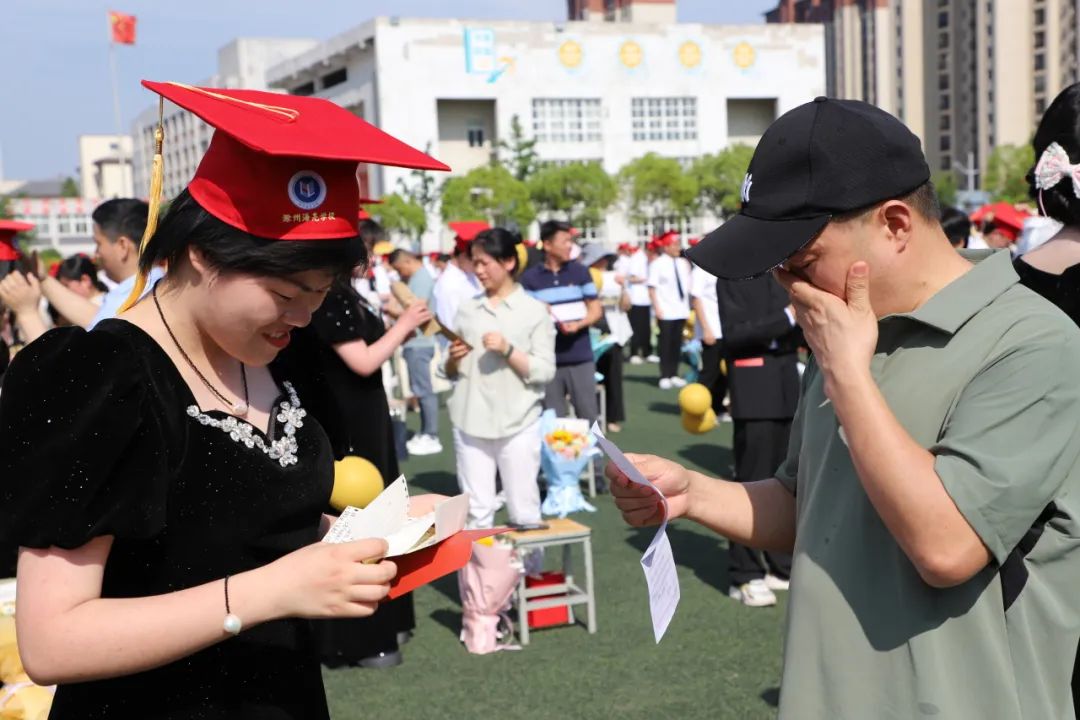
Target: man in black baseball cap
x,y
823,160
931,490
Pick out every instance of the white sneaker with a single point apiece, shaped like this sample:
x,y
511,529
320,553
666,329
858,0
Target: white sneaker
x,y
653,358
775,583
678,382
424,445
723,417
665,383
753,594
636,360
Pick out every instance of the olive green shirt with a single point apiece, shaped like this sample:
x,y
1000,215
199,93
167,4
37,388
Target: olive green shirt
x,y
986,376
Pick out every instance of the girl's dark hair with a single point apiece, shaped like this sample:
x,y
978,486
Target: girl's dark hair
x,y
1060,124
499,243
229,250
957,226
74,267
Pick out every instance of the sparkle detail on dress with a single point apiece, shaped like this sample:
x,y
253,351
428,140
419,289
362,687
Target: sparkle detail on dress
x,y
284,449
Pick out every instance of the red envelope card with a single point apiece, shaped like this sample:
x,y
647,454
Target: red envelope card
x,y
431,563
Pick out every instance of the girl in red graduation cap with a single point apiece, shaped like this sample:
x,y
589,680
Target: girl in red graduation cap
x,y
165,474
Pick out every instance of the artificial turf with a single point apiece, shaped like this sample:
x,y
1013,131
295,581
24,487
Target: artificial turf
x,y
717,660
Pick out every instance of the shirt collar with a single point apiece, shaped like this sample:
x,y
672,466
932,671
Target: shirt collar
x,y
510,301
959,301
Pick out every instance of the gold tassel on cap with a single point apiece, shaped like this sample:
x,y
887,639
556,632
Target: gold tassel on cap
x,y
157,179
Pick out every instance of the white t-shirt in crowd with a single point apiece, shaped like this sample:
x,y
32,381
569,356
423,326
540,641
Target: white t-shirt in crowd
x,y
621,267
673,305
703,286
639,267
453,287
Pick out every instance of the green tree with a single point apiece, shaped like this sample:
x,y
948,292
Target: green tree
x,y
488,193
655,186
518,153
581,192
5,208
946,186
69,188
1006,170
400,214
720,177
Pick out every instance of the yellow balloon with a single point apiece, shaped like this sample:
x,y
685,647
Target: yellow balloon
x,y
695,399
356,482
698,424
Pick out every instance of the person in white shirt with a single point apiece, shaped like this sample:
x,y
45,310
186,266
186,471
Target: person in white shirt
x,y
669,290
640,304
457,282
708,329
611,287
499,385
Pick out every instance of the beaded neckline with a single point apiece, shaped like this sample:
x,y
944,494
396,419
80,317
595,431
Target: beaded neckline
x,y
283,449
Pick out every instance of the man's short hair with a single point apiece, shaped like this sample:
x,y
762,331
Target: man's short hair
x,y
401,254
122,217
550,228
923,200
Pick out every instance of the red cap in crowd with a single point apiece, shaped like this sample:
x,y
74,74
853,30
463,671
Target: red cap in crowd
x,y
8,230
465,231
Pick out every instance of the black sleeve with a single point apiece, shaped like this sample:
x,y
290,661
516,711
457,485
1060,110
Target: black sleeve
x,y
338,319
81,453
750,326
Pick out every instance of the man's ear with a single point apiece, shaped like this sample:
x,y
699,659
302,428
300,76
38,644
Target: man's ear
x,y
898,220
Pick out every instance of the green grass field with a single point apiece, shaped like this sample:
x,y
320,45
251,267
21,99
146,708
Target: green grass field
x,y
718,659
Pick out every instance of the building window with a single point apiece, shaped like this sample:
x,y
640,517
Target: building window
x,y
335,78
566,119
946,143
1040,61
1040,106
943,82
307,88
671,118
946,162
945,123
943,102
475,132
943,19
1040,39
1040,16
1040,84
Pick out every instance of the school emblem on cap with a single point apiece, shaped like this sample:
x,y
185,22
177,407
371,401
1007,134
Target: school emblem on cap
x,y
747,183
307,190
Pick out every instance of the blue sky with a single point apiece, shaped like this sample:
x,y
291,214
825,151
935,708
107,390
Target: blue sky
x,y
55,82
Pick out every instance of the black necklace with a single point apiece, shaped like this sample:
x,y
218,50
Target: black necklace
x,y
238,408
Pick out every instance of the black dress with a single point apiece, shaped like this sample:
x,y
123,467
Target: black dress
x,y
99,435
1064,291
363,414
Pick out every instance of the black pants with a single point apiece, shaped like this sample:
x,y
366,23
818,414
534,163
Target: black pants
x,y
610,365
641,325
670,342
711,377
760,448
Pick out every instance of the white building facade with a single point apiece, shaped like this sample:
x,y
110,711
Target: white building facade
x,y
608,92
105,166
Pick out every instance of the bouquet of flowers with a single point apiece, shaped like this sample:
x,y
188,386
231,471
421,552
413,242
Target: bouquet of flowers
x,y
566,448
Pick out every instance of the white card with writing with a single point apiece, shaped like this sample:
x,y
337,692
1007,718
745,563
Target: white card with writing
x,y
658,562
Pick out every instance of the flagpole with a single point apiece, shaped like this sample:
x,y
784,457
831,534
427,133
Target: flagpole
x,y
116,106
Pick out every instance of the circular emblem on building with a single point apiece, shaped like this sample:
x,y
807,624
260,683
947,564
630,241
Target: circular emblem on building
x,y
571,54
631,54
307,190
690,54
744,55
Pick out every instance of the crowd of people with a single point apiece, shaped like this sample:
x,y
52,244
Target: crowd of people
x,y
906,424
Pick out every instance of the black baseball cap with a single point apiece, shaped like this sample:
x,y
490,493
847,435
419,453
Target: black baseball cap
x,y
821,159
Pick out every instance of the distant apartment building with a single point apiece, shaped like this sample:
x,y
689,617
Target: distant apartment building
x,y
964,75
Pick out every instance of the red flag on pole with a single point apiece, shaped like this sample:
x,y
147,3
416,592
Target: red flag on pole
x,y
123,28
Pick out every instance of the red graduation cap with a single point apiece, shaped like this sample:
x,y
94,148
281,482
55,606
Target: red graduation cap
x,y
8,230
284,167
